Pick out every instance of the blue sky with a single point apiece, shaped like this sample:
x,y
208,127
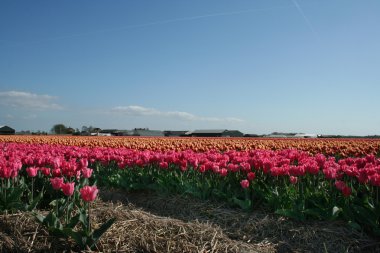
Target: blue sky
x,y
307,66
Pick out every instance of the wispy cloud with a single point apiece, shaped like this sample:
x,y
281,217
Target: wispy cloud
x,y
30,116
135,110
309,24
26,100
154,23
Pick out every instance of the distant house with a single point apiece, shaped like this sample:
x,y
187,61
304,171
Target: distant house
x,y
253,135
6,130
278,135
306,136
169,133
108,132
215,133
94,131
291,135
146,132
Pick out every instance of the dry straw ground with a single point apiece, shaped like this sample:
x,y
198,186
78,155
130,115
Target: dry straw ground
x,y
148,222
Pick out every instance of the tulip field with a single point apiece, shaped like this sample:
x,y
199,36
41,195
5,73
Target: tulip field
x,y
323,179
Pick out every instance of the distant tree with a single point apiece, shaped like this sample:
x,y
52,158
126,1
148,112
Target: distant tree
x,y
88,129
59,129
70,130
91,129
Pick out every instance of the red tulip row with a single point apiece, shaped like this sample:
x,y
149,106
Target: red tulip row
x,y
70,162
36,158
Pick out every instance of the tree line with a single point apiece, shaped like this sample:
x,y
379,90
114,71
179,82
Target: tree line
x,y
62,129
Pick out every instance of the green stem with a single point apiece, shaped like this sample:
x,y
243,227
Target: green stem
x,y
252,195
32,187
5,197
89,219
57,208
5,194
67,210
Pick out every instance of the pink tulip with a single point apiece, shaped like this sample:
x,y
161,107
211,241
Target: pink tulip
x,y
251,176
202,168
69,169
340,185
346,191
245,166
375,180
244,183
164,165
57,162
215,168
86,172
89,193
293,180
57,172
223,172
5,172
45,171
233,167
32,171
83,163
56,182
68,188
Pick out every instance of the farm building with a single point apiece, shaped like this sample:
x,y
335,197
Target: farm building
x,y
146,132
169,133
253,135
281,135
138,132
215,133
6,130
107,132
306,136
291,135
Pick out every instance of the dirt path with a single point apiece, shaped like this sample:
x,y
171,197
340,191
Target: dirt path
x,y
148,222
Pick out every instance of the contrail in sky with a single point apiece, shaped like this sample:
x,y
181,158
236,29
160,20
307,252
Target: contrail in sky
x,y
306,19
154,23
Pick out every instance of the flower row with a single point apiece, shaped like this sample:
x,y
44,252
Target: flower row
x,y
69,161
342,147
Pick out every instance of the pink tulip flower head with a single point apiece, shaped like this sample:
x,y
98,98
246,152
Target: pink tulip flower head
x,y
83,163
223,172
86,172
251,176
293,180
244,183
164,165
68,188
346,191
5,172
45,171
56,182
32,171
340,185
56,172
89,193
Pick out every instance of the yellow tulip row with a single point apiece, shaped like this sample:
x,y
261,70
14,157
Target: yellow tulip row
x,y
343,147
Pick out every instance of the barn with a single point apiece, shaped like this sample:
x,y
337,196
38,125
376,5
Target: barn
x,y
171,133
216,133
6,130
147,132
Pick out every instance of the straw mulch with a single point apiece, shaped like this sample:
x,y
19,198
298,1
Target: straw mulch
x,y
148,222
